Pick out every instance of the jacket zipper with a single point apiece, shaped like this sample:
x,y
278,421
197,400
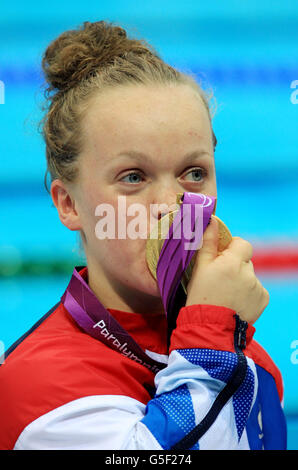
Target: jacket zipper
x,y
240,333
227,392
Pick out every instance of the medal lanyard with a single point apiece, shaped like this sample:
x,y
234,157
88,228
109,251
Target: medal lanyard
x,y
89,313
177,251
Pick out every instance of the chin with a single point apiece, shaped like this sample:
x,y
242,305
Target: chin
x,y
147,284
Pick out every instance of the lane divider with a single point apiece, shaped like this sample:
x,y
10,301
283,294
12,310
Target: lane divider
x,y
276,259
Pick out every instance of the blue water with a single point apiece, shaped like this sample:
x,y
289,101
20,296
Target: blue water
x,y
247,53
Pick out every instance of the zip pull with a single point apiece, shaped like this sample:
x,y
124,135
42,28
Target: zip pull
x,y
240,332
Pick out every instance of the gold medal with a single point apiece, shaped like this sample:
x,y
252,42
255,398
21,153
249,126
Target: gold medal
x,y
159,233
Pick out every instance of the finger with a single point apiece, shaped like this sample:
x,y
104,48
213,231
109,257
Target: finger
x,y
208,251
250,265
241,248
263,295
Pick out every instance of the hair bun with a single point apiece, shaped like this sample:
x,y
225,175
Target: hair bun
x,y
76,54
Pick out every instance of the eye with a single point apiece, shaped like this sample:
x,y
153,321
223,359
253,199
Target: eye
x,y
133,177
198,173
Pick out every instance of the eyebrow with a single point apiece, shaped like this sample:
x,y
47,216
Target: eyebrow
x,y
142,156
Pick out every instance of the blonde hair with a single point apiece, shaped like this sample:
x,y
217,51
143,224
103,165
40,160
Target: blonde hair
x,y
82,62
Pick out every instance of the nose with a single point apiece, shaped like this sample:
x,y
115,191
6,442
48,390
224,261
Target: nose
x,y
165,203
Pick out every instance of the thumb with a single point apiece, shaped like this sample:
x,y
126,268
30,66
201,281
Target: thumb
x,y
208,251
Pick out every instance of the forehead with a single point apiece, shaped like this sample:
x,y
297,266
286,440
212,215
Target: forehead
x,y
131,115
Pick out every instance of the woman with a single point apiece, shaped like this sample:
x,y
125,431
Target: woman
x,y
96,372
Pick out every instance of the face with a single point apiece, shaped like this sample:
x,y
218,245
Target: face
x,y
145,144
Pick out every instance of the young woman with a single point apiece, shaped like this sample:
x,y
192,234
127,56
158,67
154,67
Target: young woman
x,y
97,371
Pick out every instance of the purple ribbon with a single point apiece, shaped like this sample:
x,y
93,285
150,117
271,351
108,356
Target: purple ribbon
x,y
177,251
89,313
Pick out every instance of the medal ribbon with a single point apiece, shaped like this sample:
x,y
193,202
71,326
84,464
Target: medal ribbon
x,y
89,313
177,251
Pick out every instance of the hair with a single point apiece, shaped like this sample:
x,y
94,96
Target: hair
x,y
83,62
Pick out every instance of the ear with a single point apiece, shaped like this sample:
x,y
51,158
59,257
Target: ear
x,y
65,205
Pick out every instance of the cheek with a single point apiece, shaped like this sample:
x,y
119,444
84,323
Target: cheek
x,y
125,255
125,260
210,187
98,216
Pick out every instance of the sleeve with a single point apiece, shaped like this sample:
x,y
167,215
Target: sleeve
x,y
203,397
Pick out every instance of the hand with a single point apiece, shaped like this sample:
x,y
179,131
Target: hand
x,y
227,279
